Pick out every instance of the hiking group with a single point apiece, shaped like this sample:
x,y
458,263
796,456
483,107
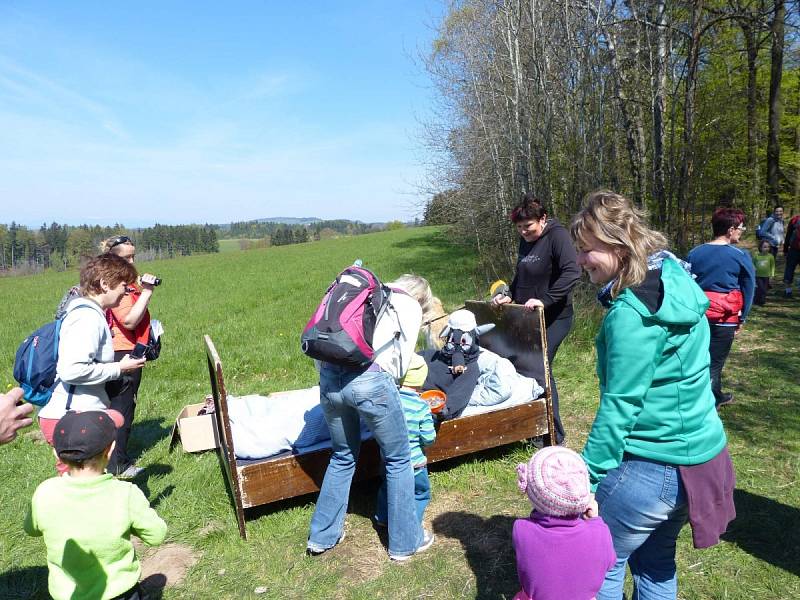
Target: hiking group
x,y
655,458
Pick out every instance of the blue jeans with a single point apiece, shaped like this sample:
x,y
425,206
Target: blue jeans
x,y
422,495
644,505
792,260
371,395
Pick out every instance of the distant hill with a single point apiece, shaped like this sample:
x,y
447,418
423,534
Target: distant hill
x,y
289,220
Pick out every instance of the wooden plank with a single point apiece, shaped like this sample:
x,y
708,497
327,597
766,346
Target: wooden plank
x,y
224,430
465,435
295,475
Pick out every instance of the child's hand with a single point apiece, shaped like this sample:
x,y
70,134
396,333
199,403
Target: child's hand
x,y
592,509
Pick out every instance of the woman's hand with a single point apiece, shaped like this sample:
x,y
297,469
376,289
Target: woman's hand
x,y
500,299
592,509
533,303
131,364
147,281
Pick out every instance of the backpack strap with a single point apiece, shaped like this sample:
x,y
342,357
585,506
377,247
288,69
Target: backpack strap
x,y
69,396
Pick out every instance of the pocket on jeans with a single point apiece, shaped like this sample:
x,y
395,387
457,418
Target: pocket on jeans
x,y
671,488
611,482
374,394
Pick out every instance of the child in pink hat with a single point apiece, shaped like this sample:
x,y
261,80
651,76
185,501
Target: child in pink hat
x,y
560,553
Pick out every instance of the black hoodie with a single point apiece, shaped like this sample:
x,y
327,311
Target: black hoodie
x,y
547,270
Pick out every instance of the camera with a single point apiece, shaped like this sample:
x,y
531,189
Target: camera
x,y
154,281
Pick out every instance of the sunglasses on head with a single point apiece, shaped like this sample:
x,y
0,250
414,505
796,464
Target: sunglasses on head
x,y
123,239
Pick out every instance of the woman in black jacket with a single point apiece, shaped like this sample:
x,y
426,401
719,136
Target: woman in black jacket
x,y
546,273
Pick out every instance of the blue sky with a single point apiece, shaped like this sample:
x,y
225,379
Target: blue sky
x,y
179,112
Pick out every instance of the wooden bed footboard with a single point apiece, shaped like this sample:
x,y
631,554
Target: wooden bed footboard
x,y
519,335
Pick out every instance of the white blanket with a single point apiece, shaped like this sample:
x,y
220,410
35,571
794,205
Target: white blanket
x,y
263,426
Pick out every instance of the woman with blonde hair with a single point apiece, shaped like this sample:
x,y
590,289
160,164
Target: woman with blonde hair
x,y
130,323
656,453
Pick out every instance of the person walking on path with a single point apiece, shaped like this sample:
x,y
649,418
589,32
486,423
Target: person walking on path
x,y
791,249
546,274
726,275
772,230
657,452
764,264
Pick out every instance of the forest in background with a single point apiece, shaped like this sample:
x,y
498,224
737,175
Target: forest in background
x,y
60,247
55,246
682,106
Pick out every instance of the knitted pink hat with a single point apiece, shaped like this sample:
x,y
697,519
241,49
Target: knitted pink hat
x,y
556,481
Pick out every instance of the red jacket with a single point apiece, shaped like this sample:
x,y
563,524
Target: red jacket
x,y
725,307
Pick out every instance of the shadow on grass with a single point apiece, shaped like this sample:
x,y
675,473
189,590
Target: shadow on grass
x,y
29,583
153,586
487,548
767,410
434,257
767,530
364,492
143,478
146,434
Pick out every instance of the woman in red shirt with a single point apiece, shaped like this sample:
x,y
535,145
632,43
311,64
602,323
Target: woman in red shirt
x,y
129,323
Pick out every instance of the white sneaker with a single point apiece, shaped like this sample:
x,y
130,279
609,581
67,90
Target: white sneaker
x,y
131,472
314,551
427,541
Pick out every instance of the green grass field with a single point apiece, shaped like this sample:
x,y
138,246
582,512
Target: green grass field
x,y
254,304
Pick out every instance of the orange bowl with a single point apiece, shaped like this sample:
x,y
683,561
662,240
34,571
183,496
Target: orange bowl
x,y
436,399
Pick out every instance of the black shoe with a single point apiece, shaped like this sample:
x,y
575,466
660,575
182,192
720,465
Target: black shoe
x,y
726,399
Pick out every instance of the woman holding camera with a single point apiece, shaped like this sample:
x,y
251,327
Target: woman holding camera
x,y
129,323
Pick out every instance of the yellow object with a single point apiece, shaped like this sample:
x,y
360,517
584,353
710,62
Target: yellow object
x,y
498,287
417,372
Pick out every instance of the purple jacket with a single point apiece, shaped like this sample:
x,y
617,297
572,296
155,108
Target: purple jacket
x,y
562,557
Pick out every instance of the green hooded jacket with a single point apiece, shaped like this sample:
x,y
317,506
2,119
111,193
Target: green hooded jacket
x,y
655,387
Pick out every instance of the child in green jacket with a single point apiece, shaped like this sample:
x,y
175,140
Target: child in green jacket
x,y
764,263
87,517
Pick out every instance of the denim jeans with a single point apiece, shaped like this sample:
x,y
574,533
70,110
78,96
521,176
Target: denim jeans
x,y
792,260
371,395
720,346
644,505
422,495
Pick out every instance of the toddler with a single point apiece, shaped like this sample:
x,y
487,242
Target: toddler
x,y
560,554
421,433
87,517
764,263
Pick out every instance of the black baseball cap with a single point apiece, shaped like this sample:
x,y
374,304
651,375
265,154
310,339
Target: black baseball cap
x,y
79,436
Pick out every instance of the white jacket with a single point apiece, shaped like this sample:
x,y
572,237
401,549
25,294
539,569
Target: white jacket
x,y
396,332
85,360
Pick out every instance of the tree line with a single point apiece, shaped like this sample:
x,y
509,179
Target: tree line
x,y
59,246
279,233
682,106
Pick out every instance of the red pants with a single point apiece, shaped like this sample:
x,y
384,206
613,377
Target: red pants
x,y
48,426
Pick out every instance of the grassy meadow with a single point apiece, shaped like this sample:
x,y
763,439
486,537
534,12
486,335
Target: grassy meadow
x,y
254,305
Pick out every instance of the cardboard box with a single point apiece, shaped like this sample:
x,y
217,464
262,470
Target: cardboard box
x,y
196,432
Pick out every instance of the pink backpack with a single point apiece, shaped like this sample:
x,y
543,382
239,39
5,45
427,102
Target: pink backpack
x,y
340,330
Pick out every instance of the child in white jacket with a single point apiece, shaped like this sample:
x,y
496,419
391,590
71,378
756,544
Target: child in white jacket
x,y
85,352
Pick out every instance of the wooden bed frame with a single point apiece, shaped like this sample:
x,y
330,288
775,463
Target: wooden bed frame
x,y
519,336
